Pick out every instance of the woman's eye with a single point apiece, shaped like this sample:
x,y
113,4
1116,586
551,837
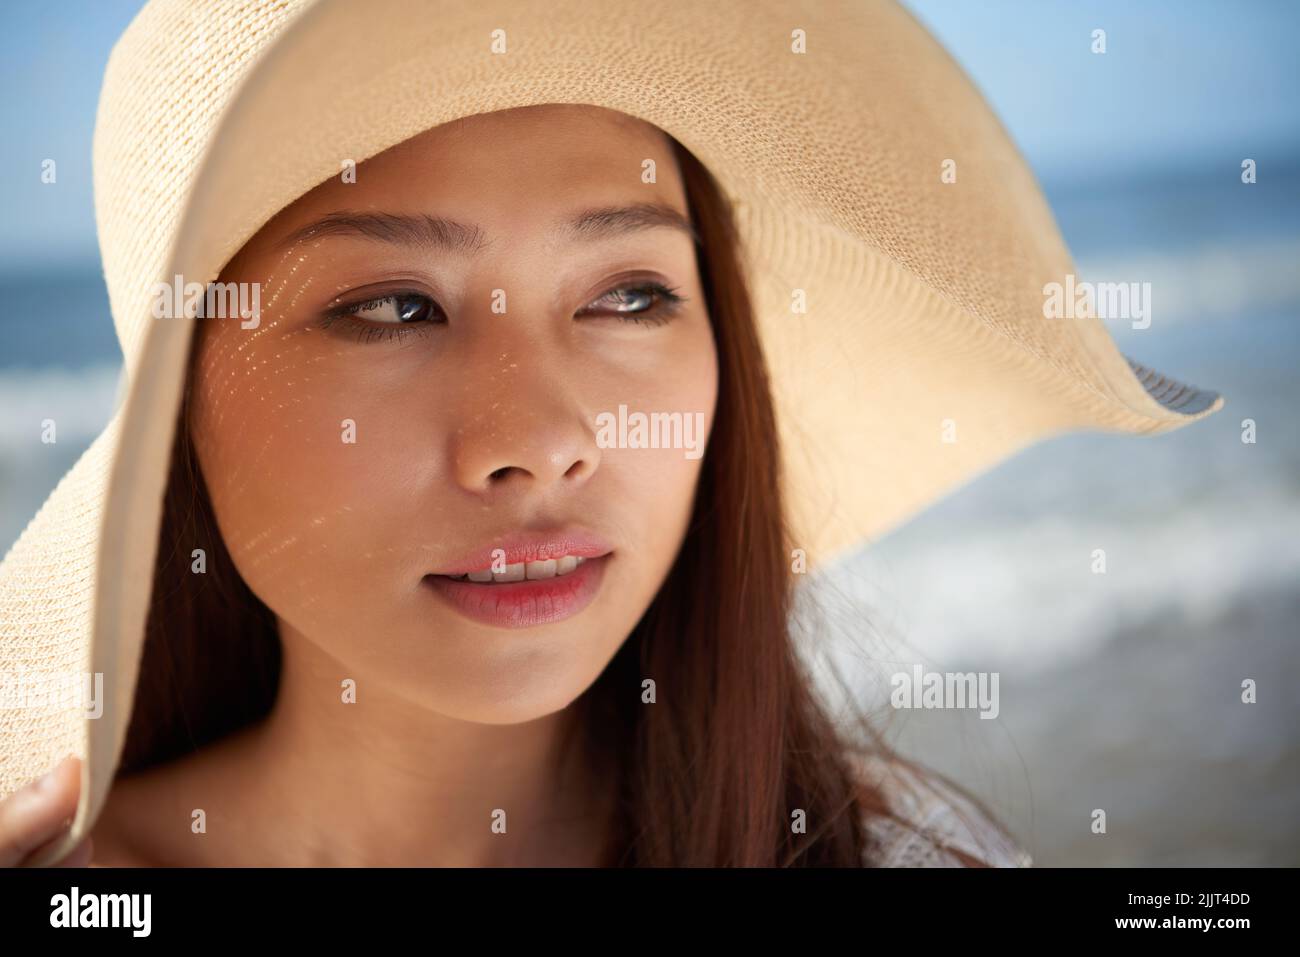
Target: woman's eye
x,y
648,302
392,316
395,309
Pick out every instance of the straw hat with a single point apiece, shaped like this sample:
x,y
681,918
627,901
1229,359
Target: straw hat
x,y
835,128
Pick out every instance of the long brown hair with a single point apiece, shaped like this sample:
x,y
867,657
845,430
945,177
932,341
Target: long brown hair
x,y
713,778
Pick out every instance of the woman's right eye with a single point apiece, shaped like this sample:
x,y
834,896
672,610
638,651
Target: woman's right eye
x,y
395,309
391,316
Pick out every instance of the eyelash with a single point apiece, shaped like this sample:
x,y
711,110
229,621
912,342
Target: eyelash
x,y
668,304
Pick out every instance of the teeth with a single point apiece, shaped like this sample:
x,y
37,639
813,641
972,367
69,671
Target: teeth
x,y
513,573
519,571
543,569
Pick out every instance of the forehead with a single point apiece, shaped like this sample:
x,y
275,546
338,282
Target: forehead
x,y
515,170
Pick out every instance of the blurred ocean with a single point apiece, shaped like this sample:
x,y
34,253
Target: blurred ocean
x,y
1122,691
1118,691
60,360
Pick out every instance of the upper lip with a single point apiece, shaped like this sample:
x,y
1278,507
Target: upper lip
x,y
529,547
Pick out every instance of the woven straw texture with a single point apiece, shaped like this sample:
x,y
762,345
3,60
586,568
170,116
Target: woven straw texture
x,y
924,298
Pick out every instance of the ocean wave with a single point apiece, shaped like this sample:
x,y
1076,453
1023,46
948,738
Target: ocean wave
x,y
1026,594
79,402
1208,281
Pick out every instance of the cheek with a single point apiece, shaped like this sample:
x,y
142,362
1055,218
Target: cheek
x,y
655,487
655,495
311,477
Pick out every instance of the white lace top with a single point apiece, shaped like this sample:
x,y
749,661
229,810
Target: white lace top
x,y
947,817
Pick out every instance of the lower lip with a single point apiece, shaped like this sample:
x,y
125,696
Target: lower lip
x,y
524,604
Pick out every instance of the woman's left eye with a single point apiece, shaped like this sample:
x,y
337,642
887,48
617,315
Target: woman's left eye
x,y
652,303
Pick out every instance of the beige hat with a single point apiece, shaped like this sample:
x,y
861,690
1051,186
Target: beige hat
x,y
897,246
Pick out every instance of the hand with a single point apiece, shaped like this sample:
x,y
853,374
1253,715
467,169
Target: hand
x,y
39,813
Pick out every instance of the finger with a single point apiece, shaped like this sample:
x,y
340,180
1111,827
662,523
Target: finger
x,y
42,850
80,856
35,813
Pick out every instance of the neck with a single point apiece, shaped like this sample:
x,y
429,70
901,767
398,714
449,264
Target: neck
x,y
388,781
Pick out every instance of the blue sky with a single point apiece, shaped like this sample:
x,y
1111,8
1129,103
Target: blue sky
x,y
1184,83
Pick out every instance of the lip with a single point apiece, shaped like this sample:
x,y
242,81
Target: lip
x,y
530,548
523,604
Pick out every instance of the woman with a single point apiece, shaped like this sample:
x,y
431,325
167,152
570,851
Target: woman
x,y
420,593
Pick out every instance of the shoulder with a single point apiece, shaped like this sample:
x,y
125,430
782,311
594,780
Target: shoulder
x,y
148,816
930,822
121,832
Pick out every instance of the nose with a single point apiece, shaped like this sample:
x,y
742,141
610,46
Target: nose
x,y
531,439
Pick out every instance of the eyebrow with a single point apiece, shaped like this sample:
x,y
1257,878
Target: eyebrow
x,y
447,235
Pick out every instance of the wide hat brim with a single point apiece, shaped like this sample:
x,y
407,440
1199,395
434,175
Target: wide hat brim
x,y
924,314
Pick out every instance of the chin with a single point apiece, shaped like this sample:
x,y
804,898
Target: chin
x,y
499,685
539,702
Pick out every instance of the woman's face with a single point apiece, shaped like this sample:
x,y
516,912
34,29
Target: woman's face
x,y
438,347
